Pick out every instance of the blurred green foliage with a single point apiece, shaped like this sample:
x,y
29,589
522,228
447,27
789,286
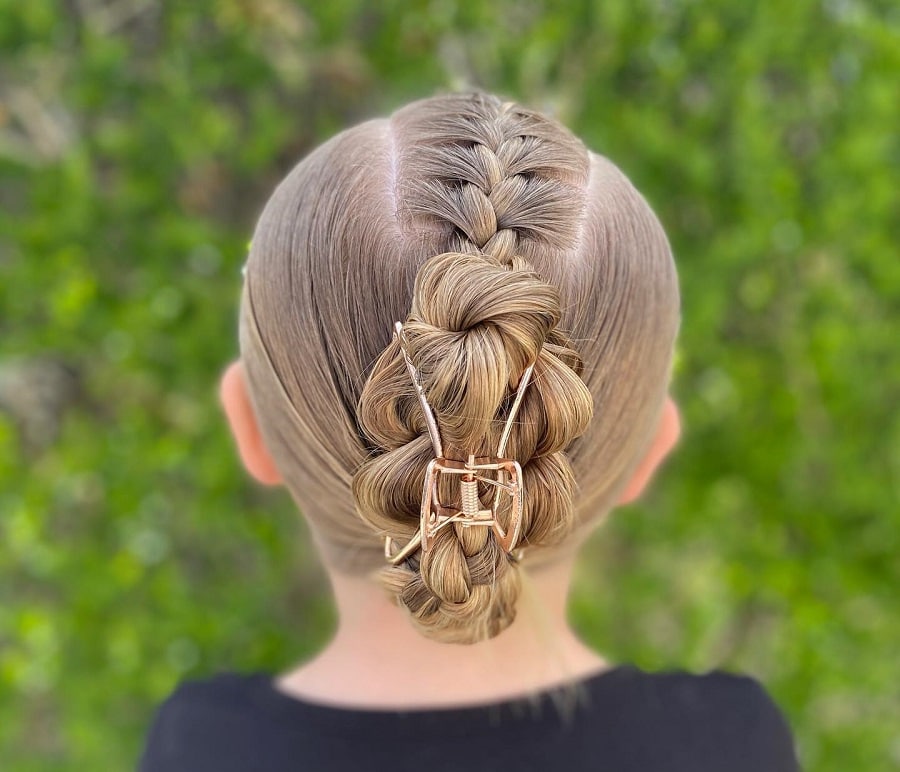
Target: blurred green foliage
x,y
138,142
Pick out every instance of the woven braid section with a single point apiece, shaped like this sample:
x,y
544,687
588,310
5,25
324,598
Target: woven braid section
x,y
495,180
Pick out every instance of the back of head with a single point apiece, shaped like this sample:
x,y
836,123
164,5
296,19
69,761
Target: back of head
x,y
502,242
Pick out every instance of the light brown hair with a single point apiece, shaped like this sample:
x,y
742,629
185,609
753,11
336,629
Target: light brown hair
x,y
500,241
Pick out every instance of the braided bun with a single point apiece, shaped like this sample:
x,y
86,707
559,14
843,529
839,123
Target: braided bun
x,y
475,325
479,316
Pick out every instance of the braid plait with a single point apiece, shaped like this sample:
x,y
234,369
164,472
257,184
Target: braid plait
x,y
497,180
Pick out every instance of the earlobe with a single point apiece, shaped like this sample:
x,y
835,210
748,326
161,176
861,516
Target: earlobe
x,y
666,437
244,427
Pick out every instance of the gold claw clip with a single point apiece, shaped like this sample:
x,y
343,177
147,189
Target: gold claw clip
x,y
503,474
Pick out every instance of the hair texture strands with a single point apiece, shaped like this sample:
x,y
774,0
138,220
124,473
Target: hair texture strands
x,y
474,327
501,242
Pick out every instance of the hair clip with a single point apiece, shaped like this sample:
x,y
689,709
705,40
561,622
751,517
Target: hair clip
x,y
504,474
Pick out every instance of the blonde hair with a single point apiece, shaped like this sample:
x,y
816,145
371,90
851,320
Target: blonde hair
x,y
501,241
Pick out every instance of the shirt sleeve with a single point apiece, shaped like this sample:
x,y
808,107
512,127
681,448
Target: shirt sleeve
x,y
208,726
770,744
181,733
153,755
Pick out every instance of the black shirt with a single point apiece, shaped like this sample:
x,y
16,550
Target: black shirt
x,y
622,720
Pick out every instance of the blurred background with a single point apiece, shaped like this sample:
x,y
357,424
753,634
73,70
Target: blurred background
x,y
138,143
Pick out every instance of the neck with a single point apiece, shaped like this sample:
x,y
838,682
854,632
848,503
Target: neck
x,y
377,659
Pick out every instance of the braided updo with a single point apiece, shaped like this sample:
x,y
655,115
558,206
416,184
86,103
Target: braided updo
x,y
480,315
501,242
471,352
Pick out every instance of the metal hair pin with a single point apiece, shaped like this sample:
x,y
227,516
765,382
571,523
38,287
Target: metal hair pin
x,y
435,514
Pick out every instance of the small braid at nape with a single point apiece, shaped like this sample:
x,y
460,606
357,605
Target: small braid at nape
x,y
497,181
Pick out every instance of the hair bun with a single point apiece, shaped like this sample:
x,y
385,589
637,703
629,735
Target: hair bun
x,y
474,321
457,292
474,326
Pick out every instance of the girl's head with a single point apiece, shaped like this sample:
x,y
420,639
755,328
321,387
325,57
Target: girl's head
x,y
500,241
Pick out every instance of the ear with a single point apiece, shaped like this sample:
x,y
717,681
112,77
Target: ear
x,y
244,428
666,436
